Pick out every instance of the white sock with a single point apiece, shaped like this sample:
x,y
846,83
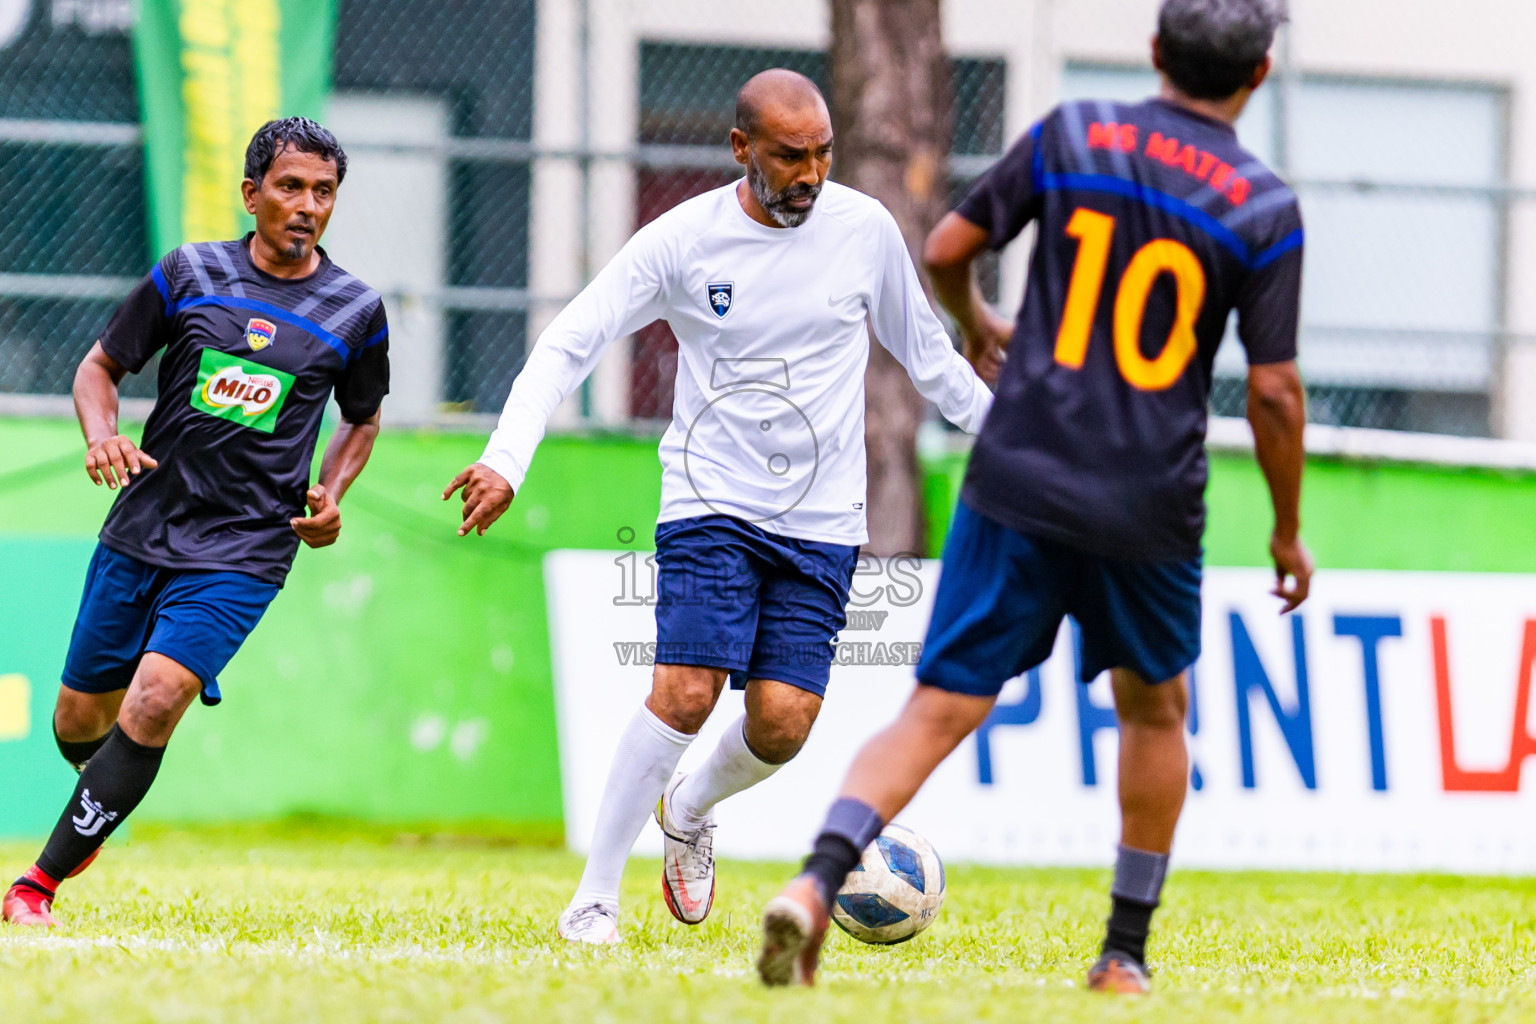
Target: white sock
x,y
643,763
731,768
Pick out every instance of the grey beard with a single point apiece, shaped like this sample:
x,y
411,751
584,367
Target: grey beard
x,y
295,251
774,203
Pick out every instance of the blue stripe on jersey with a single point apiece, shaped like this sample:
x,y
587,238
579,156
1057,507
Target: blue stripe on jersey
x,y
1038,164
268,309
1110,185
1280,248
383,332
161,287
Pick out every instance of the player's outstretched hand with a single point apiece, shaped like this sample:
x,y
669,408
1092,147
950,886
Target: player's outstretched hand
x,y
486,496
987,349
323,525
116,461
1293,571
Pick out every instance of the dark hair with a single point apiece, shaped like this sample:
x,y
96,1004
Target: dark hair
x,y
300,133
1211,48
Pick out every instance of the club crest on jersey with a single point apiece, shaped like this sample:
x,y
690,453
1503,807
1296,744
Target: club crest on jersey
x,y
719,295
259,333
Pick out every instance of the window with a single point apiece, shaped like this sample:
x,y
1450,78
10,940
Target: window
x,y
687,98
1398,182
479,55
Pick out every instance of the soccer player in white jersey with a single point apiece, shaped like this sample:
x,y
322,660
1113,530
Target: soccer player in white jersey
x,y
768,284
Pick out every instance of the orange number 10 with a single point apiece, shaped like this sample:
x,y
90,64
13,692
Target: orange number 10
x,y
1094,232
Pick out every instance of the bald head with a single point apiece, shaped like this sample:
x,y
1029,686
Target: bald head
x,y
776,95
783,137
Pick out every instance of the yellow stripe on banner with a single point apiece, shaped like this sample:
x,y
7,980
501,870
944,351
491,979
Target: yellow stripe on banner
x,y
15,707
231,66
259,62
207,98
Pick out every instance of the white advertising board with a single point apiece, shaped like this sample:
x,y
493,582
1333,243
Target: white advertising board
x,y
1383,727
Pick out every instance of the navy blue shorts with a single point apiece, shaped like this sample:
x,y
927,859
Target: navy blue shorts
x,y
198,619
730,595
1002,595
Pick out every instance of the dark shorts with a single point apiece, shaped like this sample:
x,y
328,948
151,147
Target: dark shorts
x,y
733,596
1002,596
197,619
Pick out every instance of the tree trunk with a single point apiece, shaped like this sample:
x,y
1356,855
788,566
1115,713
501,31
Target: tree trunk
x,y
891,102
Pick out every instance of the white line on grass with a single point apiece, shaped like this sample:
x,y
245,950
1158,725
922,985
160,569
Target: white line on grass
x,y
335,952
294,951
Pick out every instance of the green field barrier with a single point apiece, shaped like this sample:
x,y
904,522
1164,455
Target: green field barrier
x,y
403,675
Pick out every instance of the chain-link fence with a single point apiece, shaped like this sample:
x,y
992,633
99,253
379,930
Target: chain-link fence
x,y
534,136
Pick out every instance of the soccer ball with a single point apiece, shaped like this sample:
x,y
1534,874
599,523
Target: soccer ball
x,y
896,890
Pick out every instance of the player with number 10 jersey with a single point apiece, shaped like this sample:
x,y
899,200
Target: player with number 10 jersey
x,y
1155,224
1084,496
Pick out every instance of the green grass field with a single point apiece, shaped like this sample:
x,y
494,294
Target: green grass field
x,y
309,922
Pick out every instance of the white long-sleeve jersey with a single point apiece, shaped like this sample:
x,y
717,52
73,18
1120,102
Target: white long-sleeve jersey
x,y
768,407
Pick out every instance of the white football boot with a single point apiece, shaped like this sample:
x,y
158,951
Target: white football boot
x,y
592,923
688,863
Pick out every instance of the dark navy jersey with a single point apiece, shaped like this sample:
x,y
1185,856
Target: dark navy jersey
x,y
1153,225
249,363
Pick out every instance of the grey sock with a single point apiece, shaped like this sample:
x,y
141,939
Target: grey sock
x,y
851,825
854,821
1139,875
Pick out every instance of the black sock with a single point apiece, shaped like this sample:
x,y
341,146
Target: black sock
x,y
1130,921
851,825
829,863
109,789
1136,892
77,754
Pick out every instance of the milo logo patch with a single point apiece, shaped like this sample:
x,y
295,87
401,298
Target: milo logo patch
x,y
248,394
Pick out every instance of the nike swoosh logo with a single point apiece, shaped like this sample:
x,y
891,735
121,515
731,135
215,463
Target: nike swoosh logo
x,y
835,301
681,892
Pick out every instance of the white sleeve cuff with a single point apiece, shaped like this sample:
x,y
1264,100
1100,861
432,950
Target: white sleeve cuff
x,y
980,404
505,466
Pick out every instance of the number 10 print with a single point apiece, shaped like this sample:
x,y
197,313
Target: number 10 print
x,y
1094,232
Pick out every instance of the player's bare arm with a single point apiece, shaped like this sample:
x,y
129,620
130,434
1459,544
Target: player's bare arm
x,y
486,496
948,255
345,456
1277,411
110,458
240,403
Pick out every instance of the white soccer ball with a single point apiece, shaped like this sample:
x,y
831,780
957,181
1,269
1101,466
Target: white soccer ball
x,y
895,892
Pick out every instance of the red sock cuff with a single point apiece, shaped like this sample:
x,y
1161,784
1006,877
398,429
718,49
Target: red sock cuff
x,y
37,876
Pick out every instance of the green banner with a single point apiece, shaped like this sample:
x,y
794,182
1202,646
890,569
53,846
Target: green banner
x,y
210,72
38,596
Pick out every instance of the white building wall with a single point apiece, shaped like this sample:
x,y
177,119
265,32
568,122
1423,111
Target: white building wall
x,y
408,268
1484,42
1476,41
